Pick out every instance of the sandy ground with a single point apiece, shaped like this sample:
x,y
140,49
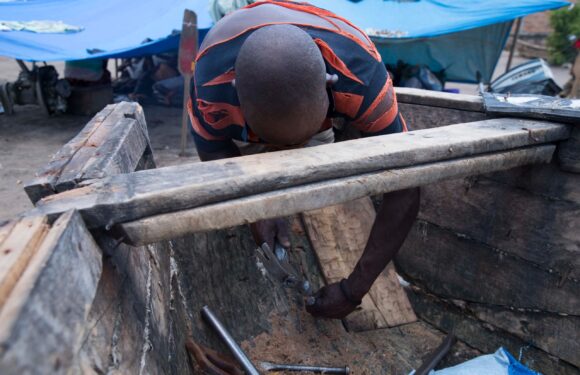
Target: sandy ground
x,y
29,138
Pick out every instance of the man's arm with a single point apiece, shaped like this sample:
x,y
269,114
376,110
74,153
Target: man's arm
x,y
393,222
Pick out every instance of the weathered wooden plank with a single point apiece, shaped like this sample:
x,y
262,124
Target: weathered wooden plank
x,y
42,322
453,266
419,117
45,179
339,235
145,193
528,226
556,334
440,99
569,152
109,141
16,250
313,196
483,336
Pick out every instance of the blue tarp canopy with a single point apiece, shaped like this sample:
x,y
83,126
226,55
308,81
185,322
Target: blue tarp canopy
x,y
464,37
111,28
429,18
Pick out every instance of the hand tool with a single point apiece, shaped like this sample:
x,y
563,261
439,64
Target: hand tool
x,y
277,264
237,352
268,366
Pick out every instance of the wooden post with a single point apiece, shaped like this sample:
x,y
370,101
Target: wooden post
x,y
513,46
187,52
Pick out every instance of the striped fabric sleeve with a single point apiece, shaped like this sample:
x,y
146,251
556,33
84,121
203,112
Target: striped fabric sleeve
x,y
204,140
382,115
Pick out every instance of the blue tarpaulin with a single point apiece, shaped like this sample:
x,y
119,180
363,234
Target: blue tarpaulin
x,y
465,37
110,27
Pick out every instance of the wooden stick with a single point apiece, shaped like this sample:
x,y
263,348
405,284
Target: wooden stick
x,y
317,195
128,197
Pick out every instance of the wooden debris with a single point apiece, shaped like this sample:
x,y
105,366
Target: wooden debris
x,y
339,235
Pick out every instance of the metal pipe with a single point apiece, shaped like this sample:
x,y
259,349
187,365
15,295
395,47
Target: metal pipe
x,y
268,366
238,353
513,46
437,355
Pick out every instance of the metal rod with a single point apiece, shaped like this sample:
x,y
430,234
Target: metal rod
x,y
514,41
437,355
238,353
268,366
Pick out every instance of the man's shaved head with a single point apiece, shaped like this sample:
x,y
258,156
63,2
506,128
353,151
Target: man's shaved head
x,y
281,84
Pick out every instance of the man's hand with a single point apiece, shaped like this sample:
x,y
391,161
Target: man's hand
x,y
331,302
270,231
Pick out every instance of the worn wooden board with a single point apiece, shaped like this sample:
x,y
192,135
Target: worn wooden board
x,y
112,142
339,235
452,265
483,336
42,322
128,197
440,99
528,226
312,196
16,249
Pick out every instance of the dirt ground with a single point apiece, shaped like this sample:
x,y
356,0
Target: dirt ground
x,y
29,138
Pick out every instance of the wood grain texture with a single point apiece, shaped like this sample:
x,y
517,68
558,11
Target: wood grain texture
x,y
318,195
112,142
128,197
16,249
478,334
453,266
42,322
542,231
440,99
339,235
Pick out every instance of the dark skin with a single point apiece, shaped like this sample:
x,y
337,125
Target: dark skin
x,y
295,123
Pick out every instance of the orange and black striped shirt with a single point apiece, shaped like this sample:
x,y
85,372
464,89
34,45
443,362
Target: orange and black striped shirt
x,y
363,95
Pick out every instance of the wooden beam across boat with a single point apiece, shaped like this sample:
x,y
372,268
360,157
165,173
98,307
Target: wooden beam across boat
x,y
128,197
440,99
